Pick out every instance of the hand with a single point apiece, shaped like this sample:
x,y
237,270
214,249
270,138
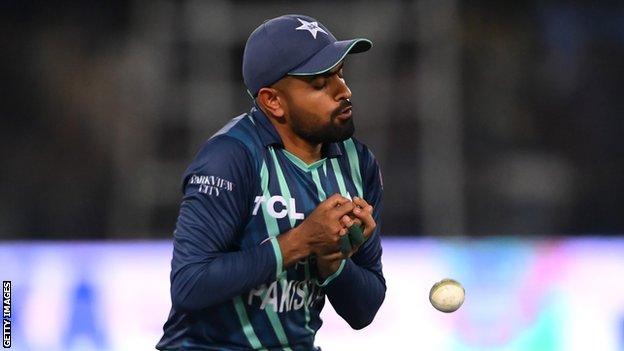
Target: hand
x,y
357,233
319,233
329,261
323,228
364,213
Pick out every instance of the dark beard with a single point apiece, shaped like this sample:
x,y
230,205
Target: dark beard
x,y
332,132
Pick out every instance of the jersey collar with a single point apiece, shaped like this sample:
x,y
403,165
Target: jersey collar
x,y
269,135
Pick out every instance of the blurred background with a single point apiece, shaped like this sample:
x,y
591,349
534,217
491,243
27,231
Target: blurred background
x,y
486,118
492,121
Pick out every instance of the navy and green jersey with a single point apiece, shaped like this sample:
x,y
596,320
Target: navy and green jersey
x,y
229,289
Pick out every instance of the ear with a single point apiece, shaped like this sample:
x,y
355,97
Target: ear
x,y
270,100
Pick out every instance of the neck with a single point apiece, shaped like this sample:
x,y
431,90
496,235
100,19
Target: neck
x,y
308,153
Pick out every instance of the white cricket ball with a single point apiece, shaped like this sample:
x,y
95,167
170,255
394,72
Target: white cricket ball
x,y
447,295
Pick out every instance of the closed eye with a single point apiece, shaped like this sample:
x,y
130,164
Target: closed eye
x,y
319,82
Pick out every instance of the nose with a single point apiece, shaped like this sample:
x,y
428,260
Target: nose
x,y
342,89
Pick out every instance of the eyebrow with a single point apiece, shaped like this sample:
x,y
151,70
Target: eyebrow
x,y
333,71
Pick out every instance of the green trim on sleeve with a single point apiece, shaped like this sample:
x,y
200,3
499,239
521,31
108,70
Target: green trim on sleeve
x,y
333,276
279,260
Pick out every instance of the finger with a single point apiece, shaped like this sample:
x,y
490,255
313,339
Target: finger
x,y
359,201
362,214
345,245
346,221
362,204
356,236
368,222
359,212
343,232
335,200
343,209
368,231
356,221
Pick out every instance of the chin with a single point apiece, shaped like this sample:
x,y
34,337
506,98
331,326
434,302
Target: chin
x,y
343,136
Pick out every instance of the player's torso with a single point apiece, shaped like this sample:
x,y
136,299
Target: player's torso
x,y
288,190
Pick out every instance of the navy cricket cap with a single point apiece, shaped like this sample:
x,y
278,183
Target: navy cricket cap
x,y
293,45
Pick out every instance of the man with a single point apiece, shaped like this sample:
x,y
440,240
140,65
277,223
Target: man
x,y
267,224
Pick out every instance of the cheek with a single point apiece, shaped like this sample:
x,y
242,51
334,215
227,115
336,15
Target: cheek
x,y
315,109
315,106
323,107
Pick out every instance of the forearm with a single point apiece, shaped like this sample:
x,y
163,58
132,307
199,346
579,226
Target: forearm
x,y
356,294
226,275
221,277
294,246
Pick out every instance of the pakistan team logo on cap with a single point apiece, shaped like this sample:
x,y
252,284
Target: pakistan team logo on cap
x,y
311,27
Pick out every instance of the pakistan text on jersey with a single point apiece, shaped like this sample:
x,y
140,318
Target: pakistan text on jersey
x,y
211,185
286,295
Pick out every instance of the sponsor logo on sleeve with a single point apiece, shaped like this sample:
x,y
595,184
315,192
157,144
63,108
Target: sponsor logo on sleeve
x,y
211,185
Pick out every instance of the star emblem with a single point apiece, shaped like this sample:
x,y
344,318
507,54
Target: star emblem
x,y
311,27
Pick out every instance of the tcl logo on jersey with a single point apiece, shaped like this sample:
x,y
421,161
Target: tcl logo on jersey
x,y
278,207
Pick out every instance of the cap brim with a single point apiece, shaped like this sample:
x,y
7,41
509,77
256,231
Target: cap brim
x,y
330,56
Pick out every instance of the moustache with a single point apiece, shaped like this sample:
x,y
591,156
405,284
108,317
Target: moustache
x,y
343,105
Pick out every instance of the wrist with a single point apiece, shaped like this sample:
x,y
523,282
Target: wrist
x,y
294,246
327,268
325,280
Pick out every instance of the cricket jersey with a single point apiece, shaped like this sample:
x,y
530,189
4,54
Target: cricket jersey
x,y
229,289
